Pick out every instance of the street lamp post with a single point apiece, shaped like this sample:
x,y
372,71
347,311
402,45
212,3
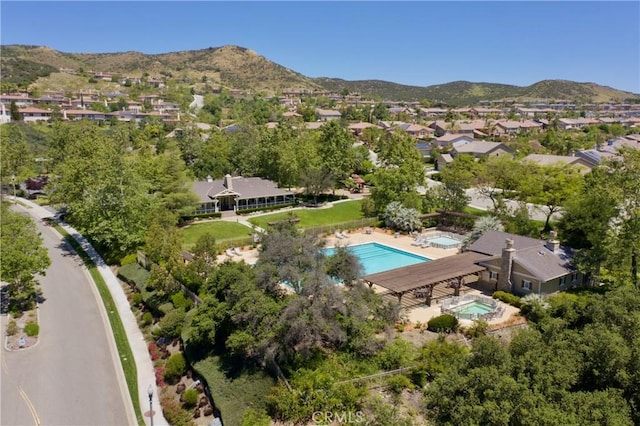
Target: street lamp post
x,y
13,184
150,393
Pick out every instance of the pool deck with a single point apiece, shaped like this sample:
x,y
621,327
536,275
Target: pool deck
x,y
418,313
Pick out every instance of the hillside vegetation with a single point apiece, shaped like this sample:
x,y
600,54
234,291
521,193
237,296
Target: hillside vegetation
x,y
236,67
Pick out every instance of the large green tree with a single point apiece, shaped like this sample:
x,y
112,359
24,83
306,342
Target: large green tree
x,y
22,257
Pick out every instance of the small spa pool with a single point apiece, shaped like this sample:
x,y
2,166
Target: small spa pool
x,y
471,307
444,242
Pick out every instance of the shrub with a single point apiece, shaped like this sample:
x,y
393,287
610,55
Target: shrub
x,y
190,398
479,328
171,324
254,417
180,301
129,259
32,329
509,298
443,323
147,318
165,308
175,367
159,375
153,351
12,327
396,384
136,299
174,413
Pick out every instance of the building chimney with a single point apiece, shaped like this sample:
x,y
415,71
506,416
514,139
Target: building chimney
x,y
209,178
228,182
506,265
552,243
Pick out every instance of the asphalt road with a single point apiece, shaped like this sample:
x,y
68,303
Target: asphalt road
x,y
69,377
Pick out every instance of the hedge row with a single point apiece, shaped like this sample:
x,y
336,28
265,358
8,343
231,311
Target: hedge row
x,y
509,298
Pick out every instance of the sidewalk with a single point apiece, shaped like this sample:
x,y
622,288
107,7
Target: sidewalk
x,y
144,366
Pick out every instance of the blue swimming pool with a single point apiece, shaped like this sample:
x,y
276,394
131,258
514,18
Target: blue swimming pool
x,y
376,257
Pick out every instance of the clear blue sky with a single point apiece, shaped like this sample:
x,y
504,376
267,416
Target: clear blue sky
x,y
417,43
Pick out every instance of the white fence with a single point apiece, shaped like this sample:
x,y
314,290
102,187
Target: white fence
x,y
448,307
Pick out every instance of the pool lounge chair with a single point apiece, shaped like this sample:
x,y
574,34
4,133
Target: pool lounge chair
x,y
338,234
420,239
345,234
229,252
237,251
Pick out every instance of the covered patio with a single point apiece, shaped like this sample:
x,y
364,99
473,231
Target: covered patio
x,y
436,279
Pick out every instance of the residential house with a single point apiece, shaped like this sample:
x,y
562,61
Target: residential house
x,y
239,193
524,265
32,114
358,128
479,149
417,131
79,114
580,163
451,138
432,112
328,114
506,127
21,101
576,123
443,160
5,114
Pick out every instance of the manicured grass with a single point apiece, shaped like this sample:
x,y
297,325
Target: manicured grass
x,y
233,395
340,212
475,211
221,230
119,333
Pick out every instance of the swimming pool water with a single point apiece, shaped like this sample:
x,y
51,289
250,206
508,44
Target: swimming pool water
x,y
445,241
376,257
473,307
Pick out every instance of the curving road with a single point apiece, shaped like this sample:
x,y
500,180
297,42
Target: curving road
x,y
70,376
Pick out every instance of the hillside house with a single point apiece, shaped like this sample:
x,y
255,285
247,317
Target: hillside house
x,y
32,114
328,114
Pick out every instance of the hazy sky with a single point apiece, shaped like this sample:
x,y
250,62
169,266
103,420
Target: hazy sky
x,y
417,43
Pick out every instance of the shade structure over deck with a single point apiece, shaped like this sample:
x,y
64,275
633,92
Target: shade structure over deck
x,y
428,275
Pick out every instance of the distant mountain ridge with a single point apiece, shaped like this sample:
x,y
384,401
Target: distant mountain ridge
x,y
240,68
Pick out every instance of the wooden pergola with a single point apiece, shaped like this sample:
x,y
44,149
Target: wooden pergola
x,y
422,278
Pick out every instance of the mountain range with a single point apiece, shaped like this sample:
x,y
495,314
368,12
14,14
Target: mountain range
x,y
235,67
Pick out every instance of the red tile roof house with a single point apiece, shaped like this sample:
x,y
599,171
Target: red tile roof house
x,y
524,265
239,193
33,114
417,131
357,128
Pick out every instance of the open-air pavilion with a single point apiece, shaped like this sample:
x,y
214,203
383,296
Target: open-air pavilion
x,y
430,280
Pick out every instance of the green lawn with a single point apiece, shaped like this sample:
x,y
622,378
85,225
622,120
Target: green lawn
x,y
340,212
475,211
233,395
219,229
